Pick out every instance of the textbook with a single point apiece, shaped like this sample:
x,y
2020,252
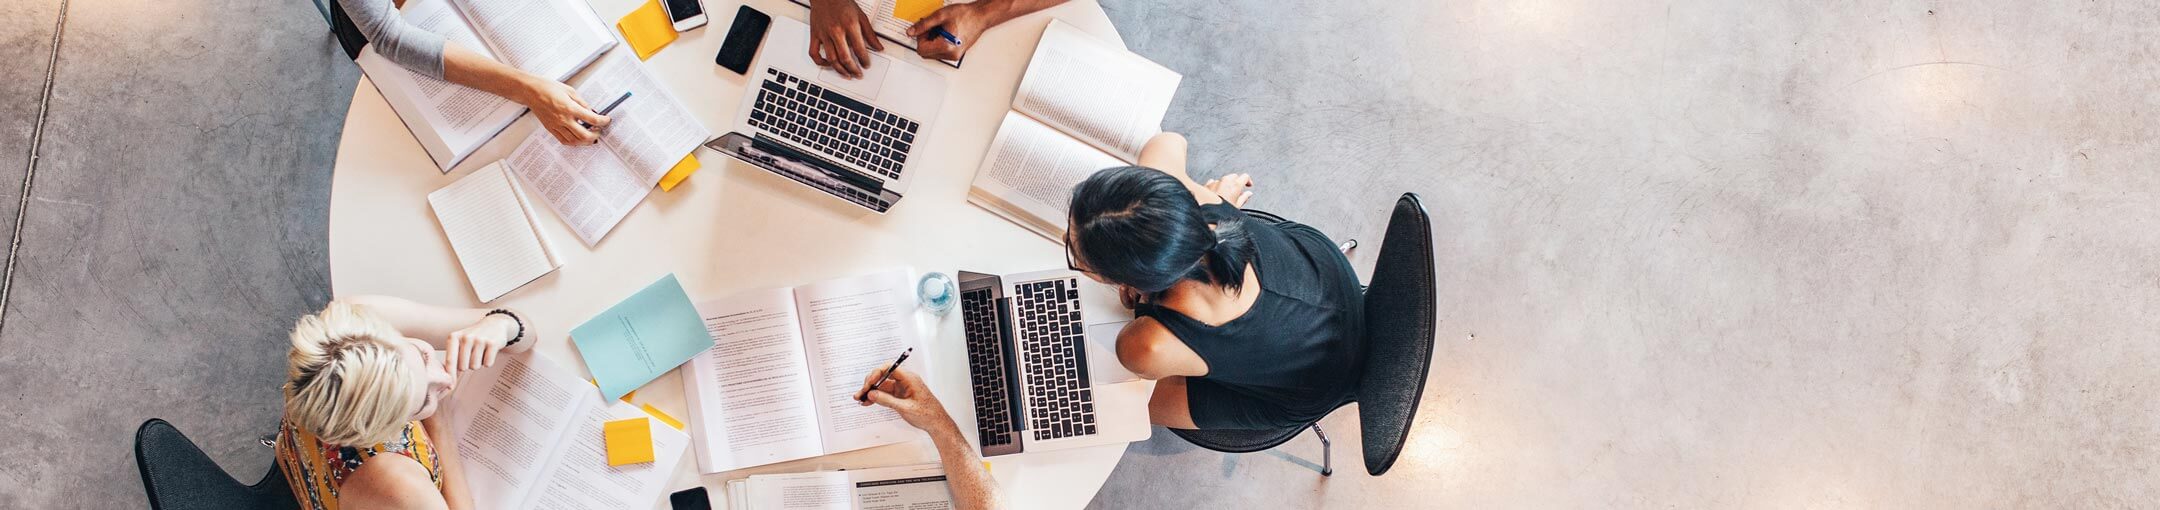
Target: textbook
x,y
1083,106
779,383
490,226
529,435
902,487
551,39
592,187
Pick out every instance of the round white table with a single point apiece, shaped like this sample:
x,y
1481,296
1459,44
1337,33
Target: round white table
x,y
729,228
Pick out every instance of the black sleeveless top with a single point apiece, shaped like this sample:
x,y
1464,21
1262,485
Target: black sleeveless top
x,y
1297,353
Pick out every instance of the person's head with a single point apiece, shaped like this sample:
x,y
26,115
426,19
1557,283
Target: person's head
x,y
352,379
1140,227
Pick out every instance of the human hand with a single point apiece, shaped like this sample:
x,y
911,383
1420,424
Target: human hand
x,y
841,37
475,346
1234,188
906,394
560,110
964,21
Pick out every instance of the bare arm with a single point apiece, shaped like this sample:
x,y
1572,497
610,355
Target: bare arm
x,y
906,394
1166,152
555,105
967,22
1150,351
454,492
470,335
394,482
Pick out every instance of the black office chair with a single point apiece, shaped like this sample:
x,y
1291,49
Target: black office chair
x,y
177,476
1399,332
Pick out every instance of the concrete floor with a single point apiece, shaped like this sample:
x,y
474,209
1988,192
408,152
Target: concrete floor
x,y
1693,254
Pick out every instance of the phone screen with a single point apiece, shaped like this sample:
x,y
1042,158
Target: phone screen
x,y
742,40
684,9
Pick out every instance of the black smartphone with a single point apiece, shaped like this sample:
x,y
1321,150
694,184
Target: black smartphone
x,y
693,498
743,39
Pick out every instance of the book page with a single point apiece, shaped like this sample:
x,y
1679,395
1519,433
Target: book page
x,y
816,490
450,120
1031,170
651,130
920,487
1107,97
548,38
751,401
853,326
491,231
582,478
586,185
508,420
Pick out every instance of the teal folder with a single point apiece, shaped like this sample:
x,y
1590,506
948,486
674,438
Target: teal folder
x,y
640,338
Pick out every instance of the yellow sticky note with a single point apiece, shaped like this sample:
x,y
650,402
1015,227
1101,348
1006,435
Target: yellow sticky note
x,y
914,10
663,417
629,441
647,29
682,170
626,396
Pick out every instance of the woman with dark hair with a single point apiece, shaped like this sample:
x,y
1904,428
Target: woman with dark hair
x,y
1245,323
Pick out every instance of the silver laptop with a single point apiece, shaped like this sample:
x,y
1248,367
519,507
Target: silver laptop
x,y
853,139
1042,363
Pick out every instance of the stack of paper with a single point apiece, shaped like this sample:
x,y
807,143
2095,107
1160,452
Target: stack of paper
x,y
491,228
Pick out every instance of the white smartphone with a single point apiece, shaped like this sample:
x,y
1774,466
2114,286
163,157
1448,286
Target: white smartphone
x,y
688,14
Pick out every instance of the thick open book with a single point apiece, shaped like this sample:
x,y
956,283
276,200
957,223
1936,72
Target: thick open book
x,y
779,383
919,487
593,186
490,225
529,437
549,38
1082,106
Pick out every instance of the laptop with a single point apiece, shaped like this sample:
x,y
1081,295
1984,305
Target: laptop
x,y
852,139
1042,363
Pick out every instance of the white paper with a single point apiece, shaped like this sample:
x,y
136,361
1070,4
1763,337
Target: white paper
x,y
651,130
1099,94
592,187
853,326
583,480
492,232
548,38
586,185
750,395
918,487
1030,172
508,421
449,120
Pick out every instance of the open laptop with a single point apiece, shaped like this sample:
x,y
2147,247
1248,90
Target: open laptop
x,y
1042,364
853,139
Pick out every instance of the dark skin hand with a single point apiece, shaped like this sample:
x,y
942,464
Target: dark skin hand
x,y
841,37
965,21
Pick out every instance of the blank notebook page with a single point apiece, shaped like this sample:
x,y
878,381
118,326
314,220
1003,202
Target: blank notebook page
x,y
490,226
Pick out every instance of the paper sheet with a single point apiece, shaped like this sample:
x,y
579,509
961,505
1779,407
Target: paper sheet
x,y
751,397
853,326
583,480
652,130
1033,169
1101,95
491,230
508,419
548,38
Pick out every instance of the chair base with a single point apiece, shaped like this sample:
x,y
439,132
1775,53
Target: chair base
x,y
1327,451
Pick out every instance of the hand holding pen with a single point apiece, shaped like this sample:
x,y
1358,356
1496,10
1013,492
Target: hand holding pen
x,y
948,33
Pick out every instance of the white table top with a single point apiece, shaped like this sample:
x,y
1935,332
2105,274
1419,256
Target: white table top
x,y
729,228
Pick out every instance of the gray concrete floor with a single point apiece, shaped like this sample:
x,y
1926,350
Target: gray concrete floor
x,y
1694,254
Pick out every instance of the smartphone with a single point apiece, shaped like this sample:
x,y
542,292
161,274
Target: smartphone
x,y
688,14
693,498
743,39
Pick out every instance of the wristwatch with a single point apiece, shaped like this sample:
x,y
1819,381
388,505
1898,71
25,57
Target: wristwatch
x,y
513,318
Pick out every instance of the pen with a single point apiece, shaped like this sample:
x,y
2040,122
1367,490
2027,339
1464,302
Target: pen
x,y
948,36
865,395
609,108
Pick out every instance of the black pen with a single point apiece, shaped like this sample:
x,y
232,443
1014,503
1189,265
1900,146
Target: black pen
x,y
865,396
609,108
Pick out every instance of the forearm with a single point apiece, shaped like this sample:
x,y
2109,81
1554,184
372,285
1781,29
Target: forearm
x,y
455,494
997,12
972,487
434,324
465,67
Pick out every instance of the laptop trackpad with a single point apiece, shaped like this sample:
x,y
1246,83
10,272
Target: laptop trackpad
x,y
866,88
1103,365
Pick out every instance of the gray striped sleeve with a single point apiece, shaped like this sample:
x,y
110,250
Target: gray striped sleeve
x,y
396,39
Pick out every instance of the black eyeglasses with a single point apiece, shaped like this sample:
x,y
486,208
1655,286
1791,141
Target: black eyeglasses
x,y
1069,262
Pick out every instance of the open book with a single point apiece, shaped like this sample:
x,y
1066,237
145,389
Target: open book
x,y
529,437
490,225
779,383
593,186
919,487
551,39
1082,106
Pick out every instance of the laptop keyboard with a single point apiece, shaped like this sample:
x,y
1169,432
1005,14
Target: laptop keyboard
x,y
1048,330
836,125
986,368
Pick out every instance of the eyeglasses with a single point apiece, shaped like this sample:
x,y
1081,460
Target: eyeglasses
x,y
1069,262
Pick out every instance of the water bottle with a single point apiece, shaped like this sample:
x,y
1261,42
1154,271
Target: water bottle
x,y
936,292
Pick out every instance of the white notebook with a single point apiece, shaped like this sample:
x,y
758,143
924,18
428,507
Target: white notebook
x,y
529,436
491,228
549,38
779,382
918,487
1082,106
592,187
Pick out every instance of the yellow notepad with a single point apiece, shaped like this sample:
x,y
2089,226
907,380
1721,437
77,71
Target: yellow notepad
x,y
647,29
629,441
682,170
914,10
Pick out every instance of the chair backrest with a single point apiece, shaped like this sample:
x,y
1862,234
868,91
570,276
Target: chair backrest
x,y
178,476
1399,333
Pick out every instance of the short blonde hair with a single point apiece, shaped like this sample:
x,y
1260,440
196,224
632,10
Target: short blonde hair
x,y
346,381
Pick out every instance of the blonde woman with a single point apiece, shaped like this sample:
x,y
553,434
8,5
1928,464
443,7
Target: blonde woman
x,y
360,428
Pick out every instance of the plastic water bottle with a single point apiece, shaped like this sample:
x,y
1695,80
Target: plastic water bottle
x,y
936,292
